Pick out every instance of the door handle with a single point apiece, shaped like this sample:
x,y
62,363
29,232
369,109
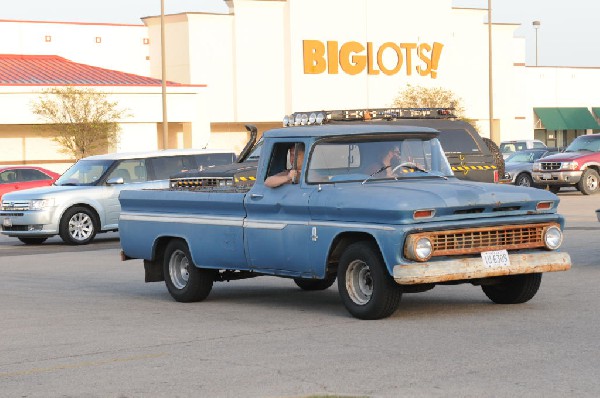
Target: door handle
x,y
256,196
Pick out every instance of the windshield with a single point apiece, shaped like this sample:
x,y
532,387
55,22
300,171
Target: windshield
x,y
524,156
584,143
509,147
360,160
84,172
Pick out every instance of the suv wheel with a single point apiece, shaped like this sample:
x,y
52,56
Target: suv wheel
x,y
524,180
78,226
589,182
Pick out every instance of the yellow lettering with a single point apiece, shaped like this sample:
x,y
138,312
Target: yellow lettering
x,y
370,62
399,62
350,61
332,57
314,57
424,48
408,47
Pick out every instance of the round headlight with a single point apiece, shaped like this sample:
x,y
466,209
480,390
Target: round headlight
x,y
286,121
423,249
304,119
298,119
553,237
320,118
312,118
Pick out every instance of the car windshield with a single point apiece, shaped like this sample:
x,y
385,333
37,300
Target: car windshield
x,y
84,172
510,147
584,143
524,156
363,160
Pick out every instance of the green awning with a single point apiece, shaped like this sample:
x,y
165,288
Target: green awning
x,y
596,112
566,118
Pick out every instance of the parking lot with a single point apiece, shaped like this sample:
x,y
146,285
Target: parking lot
x,y
78,322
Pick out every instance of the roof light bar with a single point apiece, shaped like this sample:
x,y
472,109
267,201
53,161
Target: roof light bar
x,y
321,117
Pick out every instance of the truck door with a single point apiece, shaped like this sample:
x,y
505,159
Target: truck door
x,y
276,229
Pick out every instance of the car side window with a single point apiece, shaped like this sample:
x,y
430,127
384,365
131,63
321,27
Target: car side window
x,y
8,176
166,166
538,145
131,170
31,175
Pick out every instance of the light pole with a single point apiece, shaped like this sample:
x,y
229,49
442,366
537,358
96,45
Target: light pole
x,y
536,26
494,136
165,123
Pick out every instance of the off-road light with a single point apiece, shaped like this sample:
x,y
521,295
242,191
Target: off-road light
x,y
320,118
553,237
304,120
286,121
312,118
298,119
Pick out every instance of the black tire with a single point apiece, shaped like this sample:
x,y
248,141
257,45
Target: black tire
x,y
366,288
589,183
498,159
315,284
553,188
514,289
78,226
32,241
524,180
185,282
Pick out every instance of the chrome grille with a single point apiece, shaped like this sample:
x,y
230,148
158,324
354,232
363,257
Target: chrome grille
x,y
550,166
477,240
9,205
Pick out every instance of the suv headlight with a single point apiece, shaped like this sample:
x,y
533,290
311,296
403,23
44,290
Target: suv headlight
x,y
536,166
553,237
41,204
569,165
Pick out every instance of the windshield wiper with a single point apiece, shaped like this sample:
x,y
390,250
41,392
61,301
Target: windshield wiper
x,y
376,172
409,165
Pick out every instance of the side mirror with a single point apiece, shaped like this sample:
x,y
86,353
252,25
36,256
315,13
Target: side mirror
x,y
115,181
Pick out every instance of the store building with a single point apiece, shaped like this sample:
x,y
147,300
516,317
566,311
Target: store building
x,y
267,58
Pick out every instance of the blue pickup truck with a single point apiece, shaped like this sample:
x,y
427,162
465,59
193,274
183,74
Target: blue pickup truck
x,y
374,206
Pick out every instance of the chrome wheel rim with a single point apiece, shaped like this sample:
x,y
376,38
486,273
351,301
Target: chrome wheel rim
x,y
178,269
592,183
81,226
359,283
523,182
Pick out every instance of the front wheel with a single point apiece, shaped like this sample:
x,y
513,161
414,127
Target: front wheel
x,y
78,226
185,282
589,182
366,288
514,289
315,284
524,180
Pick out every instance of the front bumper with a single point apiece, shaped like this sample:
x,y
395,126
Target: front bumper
x,y
473,268
556,177
28,223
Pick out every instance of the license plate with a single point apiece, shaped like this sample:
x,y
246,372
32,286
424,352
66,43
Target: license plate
x,y
495,259
7,222
546,176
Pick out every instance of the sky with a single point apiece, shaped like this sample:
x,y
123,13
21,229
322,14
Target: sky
x,y
567,36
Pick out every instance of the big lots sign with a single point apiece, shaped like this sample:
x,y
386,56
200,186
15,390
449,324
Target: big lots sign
x,y
388,58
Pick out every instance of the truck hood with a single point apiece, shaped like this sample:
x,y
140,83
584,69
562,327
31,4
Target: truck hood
x,y
396,201
567,156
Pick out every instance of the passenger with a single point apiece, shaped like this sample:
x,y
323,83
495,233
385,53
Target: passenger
x,y
288,176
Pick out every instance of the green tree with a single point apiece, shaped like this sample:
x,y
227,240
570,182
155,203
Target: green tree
x,y
84,121
428,97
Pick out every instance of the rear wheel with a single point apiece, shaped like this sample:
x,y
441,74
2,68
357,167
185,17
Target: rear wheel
x,y
366,288
78,226
524,180
315,284
32,241
589,182
513,289
185,282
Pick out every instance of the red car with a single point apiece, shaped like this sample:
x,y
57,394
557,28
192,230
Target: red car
x,y
15,178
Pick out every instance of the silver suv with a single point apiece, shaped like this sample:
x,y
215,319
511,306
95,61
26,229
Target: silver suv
x,y
85,199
